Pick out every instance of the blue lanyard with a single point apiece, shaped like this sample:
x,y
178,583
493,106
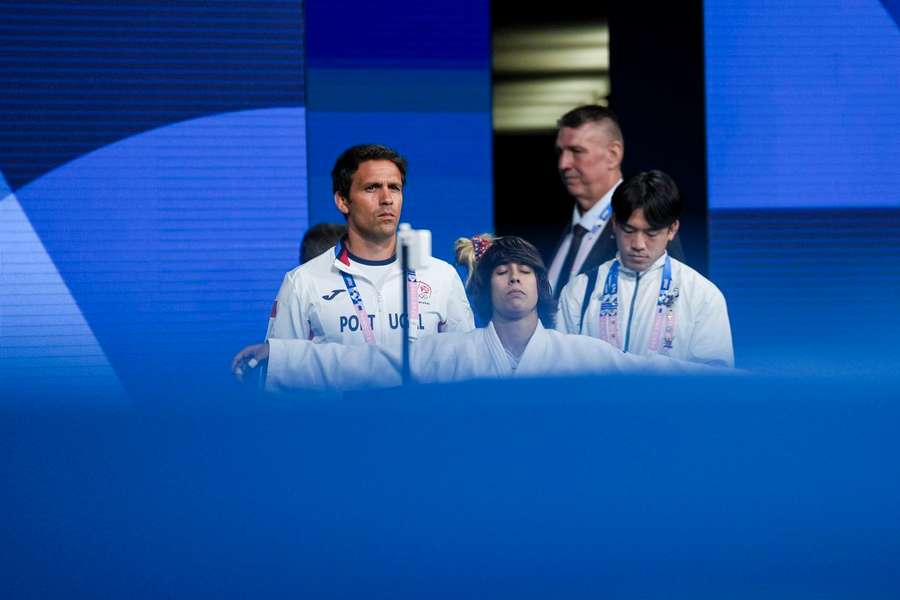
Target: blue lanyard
x,y
356,299
603,218
609,303
610,300
665,284
352,290
600,221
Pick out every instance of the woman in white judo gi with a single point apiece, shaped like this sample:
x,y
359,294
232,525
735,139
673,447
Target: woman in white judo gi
x,y
510,286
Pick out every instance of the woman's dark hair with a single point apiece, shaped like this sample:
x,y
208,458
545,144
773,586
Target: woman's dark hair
x,y
506,250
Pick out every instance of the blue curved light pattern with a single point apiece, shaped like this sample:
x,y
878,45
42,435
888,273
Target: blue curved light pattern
x,y
44,339
173,242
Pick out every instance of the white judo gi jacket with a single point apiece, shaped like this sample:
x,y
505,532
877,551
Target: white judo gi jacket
x,y
477,354
702,332
314,303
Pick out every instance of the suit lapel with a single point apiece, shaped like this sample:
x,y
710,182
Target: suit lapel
x,y
562,238
603,249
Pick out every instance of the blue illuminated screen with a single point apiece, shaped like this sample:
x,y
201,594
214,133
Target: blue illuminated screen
x,y
803,123
153,187
160,163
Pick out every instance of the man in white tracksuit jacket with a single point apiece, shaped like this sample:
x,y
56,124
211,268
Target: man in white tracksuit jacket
x,y
314,303
643,301
511,285
353,293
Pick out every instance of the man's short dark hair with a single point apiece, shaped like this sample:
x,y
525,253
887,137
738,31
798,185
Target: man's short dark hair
x,y
506,250
592,113
319,238
350,159
655,193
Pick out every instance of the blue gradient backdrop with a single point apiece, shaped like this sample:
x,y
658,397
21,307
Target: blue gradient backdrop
x,y
415,77
157,159
803,126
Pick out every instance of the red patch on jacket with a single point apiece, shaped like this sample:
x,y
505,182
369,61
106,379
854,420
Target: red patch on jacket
x,y
344,257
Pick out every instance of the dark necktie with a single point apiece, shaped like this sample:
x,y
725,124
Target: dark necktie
x,y
577,235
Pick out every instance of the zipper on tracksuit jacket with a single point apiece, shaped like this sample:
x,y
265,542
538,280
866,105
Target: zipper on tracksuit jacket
x,y
637,282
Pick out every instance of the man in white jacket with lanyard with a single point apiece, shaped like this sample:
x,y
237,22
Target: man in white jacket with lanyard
x,y
644,301
352,294
511,288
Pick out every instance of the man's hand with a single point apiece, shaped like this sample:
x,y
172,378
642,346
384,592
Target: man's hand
x,y
248,359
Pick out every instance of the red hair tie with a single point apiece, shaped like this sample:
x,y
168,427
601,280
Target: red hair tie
x,y
481,245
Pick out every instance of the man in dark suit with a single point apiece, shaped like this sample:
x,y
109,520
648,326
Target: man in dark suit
x,y
590,148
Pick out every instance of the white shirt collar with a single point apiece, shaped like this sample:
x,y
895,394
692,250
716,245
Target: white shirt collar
x,y
590,219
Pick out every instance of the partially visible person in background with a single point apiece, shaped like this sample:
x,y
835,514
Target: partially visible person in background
x,y
319,238
590,149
